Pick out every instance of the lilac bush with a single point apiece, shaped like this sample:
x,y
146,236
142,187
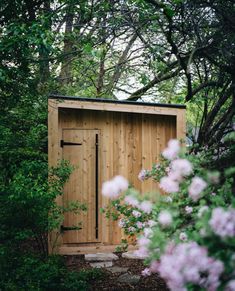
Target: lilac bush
x,y
188,234
185,263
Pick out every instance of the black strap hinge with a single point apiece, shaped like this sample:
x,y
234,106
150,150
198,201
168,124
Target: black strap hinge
x,y
66,143
68,228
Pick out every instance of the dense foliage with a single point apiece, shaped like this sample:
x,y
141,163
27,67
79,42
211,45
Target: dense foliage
x,y
24,272
188,233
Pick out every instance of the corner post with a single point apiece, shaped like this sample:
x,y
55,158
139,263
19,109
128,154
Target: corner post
x,y
181,124
53,158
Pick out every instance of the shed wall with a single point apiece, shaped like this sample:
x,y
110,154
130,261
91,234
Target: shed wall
x,y
128,142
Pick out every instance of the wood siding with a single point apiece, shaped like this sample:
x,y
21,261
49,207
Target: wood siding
x,y
130,138
128,143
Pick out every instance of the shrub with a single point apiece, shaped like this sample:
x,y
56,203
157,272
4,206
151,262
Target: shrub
x,y
28,210
189,232
24,272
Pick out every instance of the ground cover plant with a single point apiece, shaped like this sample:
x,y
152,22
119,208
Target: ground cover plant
x,y
188,234
27,272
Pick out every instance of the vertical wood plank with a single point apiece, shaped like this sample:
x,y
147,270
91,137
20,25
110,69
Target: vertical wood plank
x,y
128,142
54,242
180,124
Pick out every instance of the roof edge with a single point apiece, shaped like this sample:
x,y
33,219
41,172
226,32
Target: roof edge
x,y
58,96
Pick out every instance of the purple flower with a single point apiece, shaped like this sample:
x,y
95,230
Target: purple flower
x,y
182,266
172,150
146,272
121,183
148,232
131,229
143,241
188,209
183,236
114,187
139,224
154,266
146,206
110,189
130,200
151,223
175,176
230,286
143,175
122,223
165,218
223,222
169,185
182,166
136,213
142,253
196,187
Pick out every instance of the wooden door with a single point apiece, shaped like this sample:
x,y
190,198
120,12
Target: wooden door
x,y
80,147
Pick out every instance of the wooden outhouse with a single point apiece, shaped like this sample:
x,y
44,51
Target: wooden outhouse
x,y
104,138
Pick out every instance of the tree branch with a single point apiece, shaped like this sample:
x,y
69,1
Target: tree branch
x,y
157,79
119,66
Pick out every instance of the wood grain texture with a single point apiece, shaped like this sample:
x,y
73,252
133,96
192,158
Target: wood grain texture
x,y
81,184
54,239
118,107
129,140
181,125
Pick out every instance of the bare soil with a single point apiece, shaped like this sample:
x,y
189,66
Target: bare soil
x,y
109,281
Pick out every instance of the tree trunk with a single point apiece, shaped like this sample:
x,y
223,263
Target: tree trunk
x,y
65,77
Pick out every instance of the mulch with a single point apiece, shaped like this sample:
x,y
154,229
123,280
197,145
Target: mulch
x,y
109,281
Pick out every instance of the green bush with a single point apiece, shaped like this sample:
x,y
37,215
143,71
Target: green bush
x,y
24,272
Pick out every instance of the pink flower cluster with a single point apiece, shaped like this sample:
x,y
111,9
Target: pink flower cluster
x,y
140,225
223,222
165,218
172,150
114,187
179,169
131,200
146,206
182,167
196,187
189,263
143,175
230,286
136,213
122,223
188,209
168,185
143,243
183,236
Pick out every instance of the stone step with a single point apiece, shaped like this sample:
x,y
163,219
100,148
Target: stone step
x,y
103,264
101,257
116,269
132,255
129,278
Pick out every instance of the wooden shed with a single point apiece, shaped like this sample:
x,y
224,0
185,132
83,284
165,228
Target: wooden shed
x,y
104,138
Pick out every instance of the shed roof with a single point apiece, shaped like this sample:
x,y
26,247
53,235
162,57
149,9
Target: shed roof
x,y
76,98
